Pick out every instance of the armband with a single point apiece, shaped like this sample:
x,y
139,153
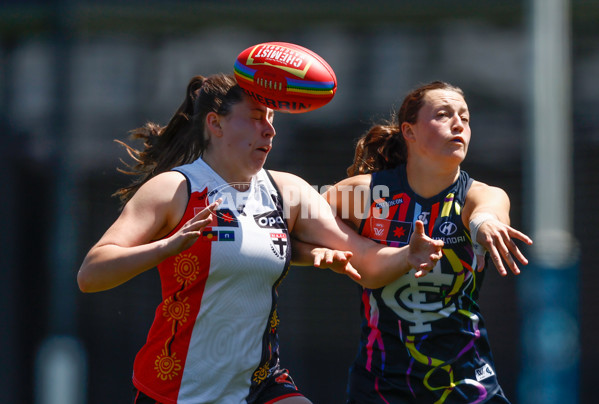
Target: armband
x,y
475,224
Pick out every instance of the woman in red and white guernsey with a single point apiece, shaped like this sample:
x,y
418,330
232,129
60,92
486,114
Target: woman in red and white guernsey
x,y
218,228
423,338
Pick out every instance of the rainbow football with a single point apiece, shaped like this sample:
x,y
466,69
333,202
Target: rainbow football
x,y
285,77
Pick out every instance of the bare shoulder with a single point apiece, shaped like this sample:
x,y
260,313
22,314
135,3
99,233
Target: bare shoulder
x,y
161,200
350,184
162,188
481,190
283,176
285,179
355,181
151,213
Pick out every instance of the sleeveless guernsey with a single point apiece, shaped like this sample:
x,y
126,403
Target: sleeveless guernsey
x,y
214,336
423,340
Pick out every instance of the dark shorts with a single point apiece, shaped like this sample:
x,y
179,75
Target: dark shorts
x,y
366,388
497,399
273,389
141,398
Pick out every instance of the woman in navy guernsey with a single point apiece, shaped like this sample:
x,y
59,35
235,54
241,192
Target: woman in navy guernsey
x,y
423,338
218,228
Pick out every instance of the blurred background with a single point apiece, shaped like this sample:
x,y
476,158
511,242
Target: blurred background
x,y
75,75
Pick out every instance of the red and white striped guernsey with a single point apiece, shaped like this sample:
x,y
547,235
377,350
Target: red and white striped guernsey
x,y
214,335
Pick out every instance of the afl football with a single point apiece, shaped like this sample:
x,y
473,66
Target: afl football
x,y
285,77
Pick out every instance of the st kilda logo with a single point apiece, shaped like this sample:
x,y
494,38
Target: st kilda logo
x,y
279,244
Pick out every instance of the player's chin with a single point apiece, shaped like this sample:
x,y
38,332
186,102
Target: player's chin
x,y
457,156
258,157
260,161
255,168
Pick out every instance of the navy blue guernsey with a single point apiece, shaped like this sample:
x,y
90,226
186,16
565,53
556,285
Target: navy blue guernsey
x,y
423,340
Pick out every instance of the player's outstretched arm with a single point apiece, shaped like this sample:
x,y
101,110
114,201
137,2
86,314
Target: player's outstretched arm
x,y
304,254
312,221
134,243
487,215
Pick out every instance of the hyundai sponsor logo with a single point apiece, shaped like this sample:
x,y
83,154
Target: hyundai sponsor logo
x,y
448,228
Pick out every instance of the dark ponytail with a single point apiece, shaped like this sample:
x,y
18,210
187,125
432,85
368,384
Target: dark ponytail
x,y
183,139
383,146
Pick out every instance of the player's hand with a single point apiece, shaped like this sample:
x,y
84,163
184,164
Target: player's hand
x,y
189,233
424,252
336,261
498,239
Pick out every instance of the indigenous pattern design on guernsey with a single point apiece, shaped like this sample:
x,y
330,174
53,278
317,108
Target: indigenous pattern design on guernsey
x,y
214,336
423,340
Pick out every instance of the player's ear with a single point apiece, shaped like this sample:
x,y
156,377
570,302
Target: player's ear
x,y
213,124
407,131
